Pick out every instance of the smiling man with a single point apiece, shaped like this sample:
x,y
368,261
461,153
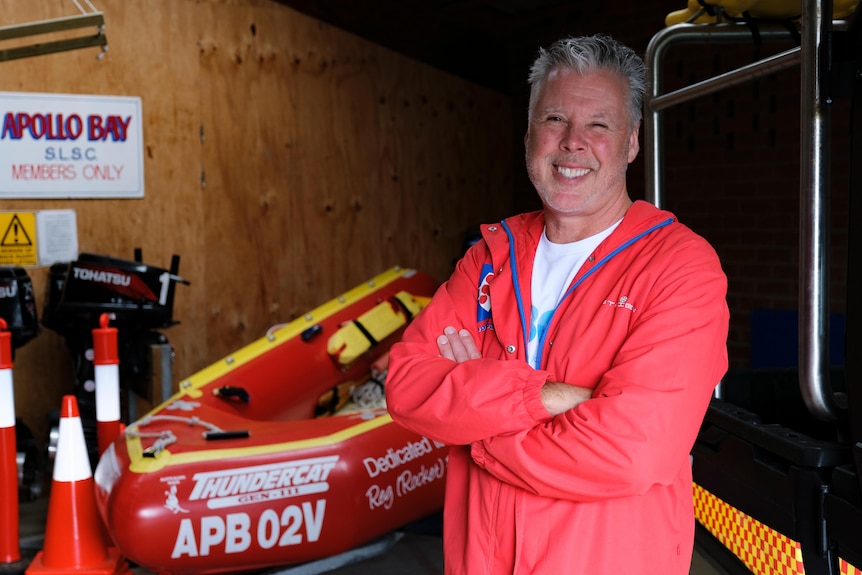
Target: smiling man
x,y
579,143
570,358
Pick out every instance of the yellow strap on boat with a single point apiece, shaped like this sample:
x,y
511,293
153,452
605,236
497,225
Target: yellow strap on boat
x,y
358,336
772,9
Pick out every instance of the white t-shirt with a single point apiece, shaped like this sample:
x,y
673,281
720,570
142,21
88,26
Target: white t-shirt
x,y
554,268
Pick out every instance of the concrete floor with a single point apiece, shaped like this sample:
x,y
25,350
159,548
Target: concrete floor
x,y
416,550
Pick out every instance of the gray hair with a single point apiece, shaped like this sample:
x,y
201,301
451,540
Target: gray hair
x,y
585,54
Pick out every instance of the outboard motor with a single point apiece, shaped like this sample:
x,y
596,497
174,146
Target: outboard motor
x,y
139,299
18,309
18,305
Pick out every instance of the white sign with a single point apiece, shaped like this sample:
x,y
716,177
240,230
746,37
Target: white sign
x,y
70,146
58,236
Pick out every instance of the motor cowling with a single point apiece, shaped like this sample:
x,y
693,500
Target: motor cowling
x,y
18,305
138,296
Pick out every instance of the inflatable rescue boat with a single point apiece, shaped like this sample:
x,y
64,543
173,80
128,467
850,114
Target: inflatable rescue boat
x,y
282,452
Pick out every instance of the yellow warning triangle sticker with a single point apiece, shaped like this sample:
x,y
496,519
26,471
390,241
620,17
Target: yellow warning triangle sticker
x,y
15,234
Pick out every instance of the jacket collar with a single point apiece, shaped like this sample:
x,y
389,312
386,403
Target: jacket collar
x,y
527,229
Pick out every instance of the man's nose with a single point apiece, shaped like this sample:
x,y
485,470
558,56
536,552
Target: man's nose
x,y
573,139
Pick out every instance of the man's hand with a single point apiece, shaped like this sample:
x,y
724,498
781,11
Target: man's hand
x,y
557,397
457,345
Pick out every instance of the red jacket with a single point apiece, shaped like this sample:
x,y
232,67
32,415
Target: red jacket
x,y
606,487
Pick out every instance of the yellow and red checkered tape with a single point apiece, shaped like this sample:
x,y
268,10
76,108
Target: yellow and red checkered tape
x,y
846,568
762,549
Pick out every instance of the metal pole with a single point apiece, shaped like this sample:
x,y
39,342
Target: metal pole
x,y
814,167
813,215
752,71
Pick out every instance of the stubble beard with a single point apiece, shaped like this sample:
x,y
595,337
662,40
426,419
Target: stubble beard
x,y
561,200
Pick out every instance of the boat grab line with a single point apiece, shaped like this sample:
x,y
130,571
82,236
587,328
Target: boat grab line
x,y
164,438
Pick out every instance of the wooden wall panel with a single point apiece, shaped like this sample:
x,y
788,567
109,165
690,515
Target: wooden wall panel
x,y
145,58
285,162
332,160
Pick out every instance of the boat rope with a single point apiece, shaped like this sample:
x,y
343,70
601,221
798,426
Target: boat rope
x,y
191,421
163,440
370,394
165,437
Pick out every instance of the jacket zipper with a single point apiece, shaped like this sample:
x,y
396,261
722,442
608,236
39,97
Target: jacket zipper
x,y
517,284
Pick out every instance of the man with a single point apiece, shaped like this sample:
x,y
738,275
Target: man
x,y
570,358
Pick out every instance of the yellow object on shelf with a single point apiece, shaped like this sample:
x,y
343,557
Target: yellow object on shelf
x,y
358,336
757,9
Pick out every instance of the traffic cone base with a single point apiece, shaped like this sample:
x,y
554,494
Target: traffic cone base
x,y
75,537
113,564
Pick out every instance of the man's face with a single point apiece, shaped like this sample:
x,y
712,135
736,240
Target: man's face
x,y
579,143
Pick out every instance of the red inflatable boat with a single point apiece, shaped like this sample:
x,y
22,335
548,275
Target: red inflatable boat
x,y
280,453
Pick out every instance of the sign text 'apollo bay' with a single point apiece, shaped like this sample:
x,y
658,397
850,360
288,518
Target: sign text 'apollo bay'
x,y
70,146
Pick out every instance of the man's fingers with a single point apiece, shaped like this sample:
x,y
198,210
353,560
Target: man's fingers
x,y
444,347
457,345
449,345
469,345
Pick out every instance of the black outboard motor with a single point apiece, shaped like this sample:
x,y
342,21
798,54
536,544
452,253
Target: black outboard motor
x,y
139,299
18,309
18,305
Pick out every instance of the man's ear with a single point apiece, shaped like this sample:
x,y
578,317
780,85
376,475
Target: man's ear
x,y
634,143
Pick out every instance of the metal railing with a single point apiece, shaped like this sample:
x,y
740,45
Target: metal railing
x,y
814,165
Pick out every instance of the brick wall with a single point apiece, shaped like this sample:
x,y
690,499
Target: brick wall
x,y
733,173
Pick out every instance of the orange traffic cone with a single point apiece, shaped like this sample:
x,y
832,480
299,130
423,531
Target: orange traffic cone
x,y
75,539
11,561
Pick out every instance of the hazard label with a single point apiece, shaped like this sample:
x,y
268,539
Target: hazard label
x,y
18,239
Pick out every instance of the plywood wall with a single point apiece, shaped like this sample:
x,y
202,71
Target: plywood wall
x,y
286,161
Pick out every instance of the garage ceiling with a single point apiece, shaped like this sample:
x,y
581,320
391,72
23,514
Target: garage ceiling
x,y
480,40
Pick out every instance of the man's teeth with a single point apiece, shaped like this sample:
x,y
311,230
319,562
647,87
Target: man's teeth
x,y
573,172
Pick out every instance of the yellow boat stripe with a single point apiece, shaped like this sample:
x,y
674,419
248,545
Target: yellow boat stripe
x,y
141,464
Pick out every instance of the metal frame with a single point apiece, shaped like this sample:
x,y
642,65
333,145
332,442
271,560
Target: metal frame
x,y
95,19
814,166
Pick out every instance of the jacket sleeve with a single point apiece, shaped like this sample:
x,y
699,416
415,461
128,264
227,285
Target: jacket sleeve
x,y
641,423
451,402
